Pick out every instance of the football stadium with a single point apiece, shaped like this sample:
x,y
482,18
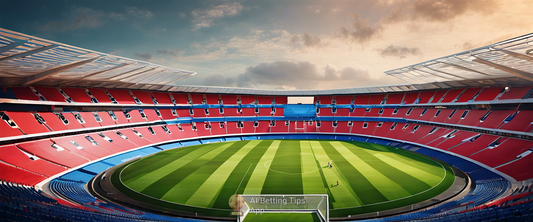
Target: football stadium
x,y
92,136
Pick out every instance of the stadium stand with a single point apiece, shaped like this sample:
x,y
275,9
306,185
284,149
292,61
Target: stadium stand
x,y
485,131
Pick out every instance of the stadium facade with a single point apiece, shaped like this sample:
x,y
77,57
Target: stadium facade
x,y
69,114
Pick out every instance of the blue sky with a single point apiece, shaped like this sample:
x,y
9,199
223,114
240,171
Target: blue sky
x,y
313,44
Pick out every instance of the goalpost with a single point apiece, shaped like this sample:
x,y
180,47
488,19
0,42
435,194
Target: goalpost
x,y
290,203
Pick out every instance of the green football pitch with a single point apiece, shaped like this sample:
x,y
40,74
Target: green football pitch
x,y
202,178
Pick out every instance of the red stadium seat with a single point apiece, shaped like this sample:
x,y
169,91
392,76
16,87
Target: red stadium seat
x,y
279,112
437,96
8,131
198,113
216,129
162,98
495,119
281,99
181,98
264,100
310,127
50,94
514,93
166,114
122,96
451,95
521,122
197,98
53,121
395,98
324,100
468,95
12,155
518,168
24,93
16,175
248,112
231,128
376,99
77,94
488,94
151,115
27,122
100,95
136,117
263,127
361,99
248,127
183,113
43,149
342,127
344,100
467,148
201,129
106,119
90,121
229,99
279,127
215,112
143,96
508,150
411,97
245,100
212,99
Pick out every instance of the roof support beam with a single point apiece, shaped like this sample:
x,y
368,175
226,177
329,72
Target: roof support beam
x,y
463,68
439,71
45,74
516,55
96,73
176,79
133,70
136,74
106,70
27,53
515,72
11,46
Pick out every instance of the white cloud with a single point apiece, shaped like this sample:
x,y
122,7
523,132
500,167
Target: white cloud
x,y
203,18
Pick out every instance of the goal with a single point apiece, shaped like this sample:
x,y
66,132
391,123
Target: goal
x,y
291,203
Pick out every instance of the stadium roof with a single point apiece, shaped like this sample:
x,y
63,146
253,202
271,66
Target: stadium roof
x,y
28,60
508,62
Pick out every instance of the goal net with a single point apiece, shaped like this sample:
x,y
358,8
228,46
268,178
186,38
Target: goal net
x,y
292,203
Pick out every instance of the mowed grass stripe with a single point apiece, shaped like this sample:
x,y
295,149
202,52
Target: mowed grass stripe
x,y
409,182
210,188
428,178
160,187
363,188
241,175
184,189
311,179
152,163
144,181
287,162
343,194
408,158
386,186
258,177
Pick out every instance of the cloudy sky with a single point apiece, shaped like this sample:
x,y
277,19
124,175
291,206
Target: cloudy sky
x,y
312,44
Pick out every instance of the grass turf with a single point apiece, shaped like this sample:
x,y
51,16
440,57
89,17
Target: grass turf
x,y
293,217
207,175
